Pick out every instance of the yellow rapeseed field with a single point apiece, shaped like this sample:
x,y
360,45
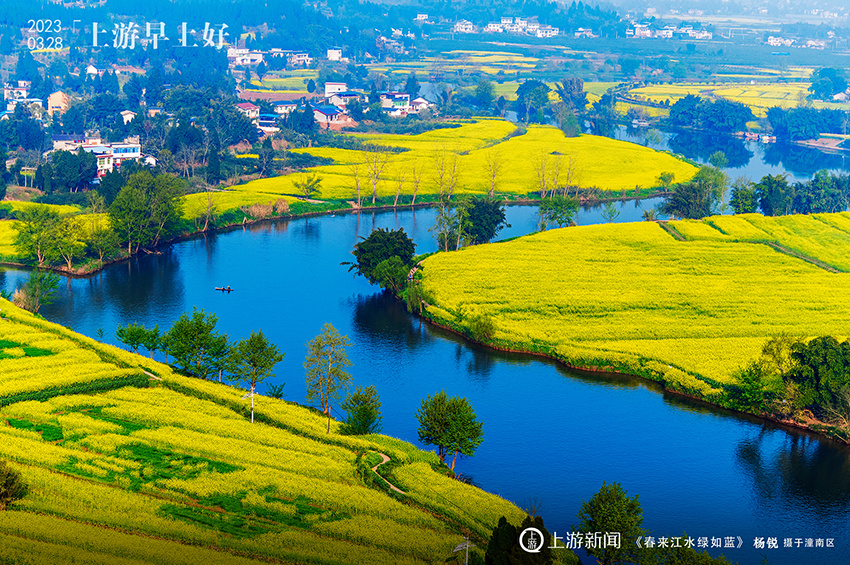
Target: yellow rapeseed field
x,y
169,469
596,162
632,296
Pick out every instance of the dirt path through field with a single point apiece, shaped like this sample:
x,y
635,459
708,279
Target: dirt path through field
x,y
375,470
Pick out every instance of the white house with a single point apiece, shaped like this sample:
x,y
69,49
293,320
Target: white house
x,y
395,103
464,26
343,99
521,22
284,108
547,31
128,116
419,104
251,111
493,27
334,54
506,21
422,18
334,87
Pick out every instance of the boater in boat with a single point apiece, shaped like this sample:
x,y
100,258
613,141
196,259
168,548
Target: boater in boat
x,y
224,289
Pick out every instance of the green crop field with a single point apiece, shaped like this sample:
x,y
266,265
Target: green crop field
x,y
597,162
632,296
128,462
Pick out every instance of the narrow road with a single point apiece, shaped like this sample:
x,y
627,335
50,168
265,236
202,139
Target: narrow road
x,y
375,470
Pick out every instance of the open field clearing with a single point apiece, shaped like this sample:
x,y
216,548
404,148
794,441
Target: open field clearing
x,y
625,166
178,459
631,296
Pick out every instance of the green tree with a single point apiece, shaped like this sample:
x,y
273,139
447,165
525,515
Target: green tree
x,y
775,195
484,93
665,179
325,368
532,95
749,392
382,244
486,218
12,486
195,344
132,335
557,210
697,198
252,360
265,158
363,409
612,510
152,340
391,274
37,229
69,240
411,86
308,185
450,424
39,290
744,199
311,86
147,210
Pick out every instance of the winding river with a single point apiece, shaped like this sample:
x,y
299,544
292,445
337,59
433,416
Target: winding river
x,y
552,435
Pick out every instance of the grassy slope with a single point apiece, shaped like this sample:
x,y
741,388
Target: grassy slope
x,y
633,297
180,462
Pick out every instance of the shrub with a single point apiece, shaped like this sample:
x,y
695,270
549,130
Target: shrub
x,y
281,207
259,211
481,327
12,486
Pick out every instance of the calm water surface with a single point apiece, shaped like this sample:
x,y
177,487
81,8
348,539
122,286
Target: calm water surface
x,y
551,435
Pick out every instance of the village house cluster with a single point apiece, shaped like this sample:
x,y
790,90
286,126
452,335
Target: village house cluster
x,y
522,26
331,108
645,31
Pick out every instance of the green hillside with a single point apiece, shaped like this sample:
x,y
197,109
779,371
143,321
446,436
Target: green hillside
x,y
128,462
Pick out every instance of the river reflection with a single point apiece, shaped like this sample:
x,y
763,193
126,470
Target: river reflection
x,y
796,469
550,433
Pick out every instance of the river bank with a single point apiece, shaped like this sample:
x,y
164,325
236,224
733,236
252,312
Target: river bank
x,y
337,207
811,425
631,299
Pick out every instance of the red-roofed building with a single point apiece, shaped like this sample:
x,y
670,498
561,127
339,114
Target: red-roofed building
x,y
252,111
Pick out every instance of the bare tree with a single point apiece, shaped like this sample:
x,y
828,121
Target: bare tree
x,y
555,168
356,169
540,165
376,161
571,175
446,168
493,163
417,179
399,181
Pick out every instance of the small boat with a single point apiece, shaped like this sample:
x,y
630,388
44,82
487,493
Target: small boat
x,y
224,289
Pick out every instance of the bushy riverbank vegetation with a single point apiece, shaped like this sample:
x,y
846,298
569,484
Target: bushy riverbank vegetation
x,y
116,448
689,308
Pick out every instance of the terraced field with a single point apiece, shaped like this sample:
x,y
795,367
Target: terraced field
x,y
633,297
129,462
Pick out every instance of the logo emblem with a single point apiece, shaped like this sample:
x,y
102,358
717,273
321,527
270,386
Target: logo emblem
x,y
531,540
